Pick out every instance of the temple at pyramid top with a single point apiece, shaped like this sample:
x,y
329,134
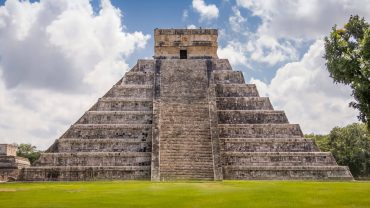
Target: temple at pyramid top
x,y
185,43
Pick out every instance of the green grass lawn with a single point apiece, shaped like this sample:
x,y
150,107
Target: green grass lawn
x,y
185,194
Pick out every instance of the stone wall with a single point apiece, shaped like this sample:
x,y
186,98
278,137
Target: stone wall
x,y
10,167
8,149
199,43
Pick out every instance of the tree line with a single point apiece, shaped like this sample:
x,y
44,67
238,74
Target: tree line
x,y
350,146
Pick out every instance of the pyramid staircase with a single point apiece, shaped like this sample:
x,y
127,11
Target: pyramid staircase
x,y
183,119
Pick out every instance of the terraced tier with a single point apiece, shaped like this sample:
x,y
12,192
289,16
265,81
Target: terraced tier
x,y
85,173
138,78
251,117
104,145
123,104
131,91
259,130
117,117
287,173
109,131
228,77
279,159
243,103
95,159
236,90
268,145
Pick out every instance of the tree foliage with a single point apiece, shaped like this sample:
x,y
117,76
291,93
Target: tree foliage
x,y
28,151
350,146
347,54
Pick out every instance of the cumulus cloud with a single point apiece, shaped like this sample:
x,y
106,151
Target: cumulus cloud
x,y
191,27
303,19
234,52
237,21
285,25
206,12
259,49
308,95
56,56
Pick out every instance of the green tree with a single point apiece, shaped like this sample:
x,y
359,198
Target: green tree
x,y
350,146
28,151
320,140
347,54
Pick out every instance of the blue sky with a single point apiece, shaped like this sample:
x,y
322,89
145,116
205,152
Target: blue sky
x,y
57,57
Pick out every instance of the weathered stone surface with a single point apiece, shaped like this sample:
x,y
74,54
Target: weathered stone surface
x,y
268,145
172,118
236,90
8,149
243,103
251,117
198,43
85,173
287,173
185,137
228,77
10,164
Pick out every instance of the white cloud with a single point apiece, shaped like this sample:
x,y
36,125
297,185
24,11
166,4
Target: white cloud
x,y
304,19
191,27
234,52
206,12
269,50
308,95
185,15
57,56
237,21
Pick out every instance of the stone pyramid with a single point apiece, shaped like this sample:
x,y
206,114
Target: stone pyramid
x,y
184,115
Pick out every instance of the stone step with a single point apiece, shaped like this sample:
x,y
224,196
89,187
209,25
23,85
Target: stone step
x,y
181,177
109,131
123,104
95,159
228,77
287,173
279,158
104,145
145,65
182,156
186,164
259,130
236,90
186,145
85,173
138,77
117,117
243,103
251,117
221,64
187,171
268,145
130,91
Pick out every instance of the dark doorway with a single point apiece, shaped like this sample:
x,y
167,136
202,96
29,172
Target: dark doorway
x,y
183,54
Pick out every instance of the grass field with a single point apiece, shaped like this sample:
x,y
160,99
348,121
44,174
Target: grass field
x,y
186,194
